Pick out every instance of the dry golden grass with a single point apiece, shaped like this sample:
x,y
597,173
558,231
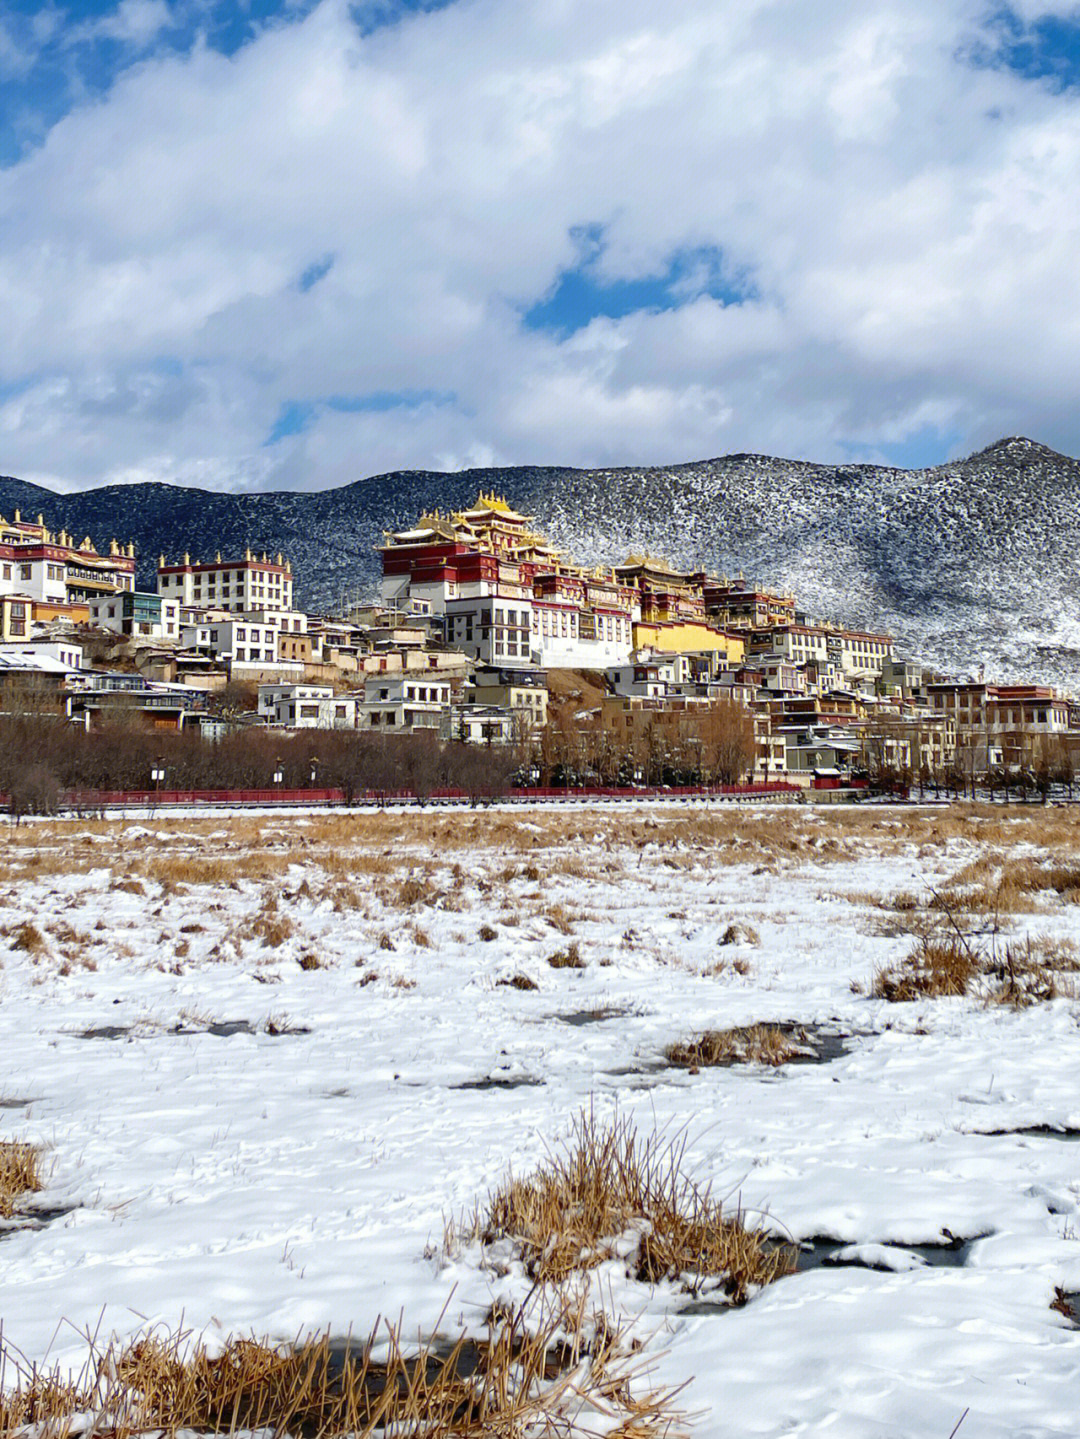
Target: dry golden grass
x,y
740,934
559,920
999,884
29,939
127,886
749,1044
394,844
20,1173
952,965
576,1211
412,892
528,1374
1026,974
568,958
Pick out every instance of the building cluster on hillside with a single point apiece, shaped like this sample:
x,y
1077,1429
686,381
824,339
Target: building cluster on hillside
x,y
484,632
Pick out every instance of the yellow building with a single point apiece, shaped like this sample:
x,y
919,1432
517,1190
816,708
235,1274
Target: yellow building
x,y
689,637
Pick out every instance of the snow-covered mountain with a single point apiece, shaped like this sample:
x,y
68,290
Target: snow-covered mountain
x,y
969,564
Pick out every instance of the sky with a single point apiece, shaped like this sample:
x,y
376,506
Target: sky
x,y
287,244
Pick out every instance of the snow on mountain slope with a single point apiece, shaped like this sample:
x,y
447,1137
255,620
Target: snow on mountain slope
x,y
969,564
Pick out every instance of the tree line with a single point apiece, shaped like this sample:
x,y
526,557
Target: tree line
x,y
44,757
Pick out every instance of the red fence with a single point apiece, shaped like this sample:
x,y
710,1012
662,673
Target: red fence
x,y
87,801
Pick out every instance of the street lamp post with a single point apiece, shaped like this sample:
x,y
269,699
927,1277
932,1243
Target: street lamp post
x,y
279,774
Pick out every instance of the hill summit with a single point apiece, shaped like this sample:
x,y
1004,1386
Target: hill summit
x,y
969,564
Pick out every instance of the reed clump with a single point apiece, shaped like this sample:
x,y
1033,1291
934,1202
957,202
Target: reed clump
x,y
20,1173
29,939
745,1044
1016,974
524,1375
610,1193
568,958
936,968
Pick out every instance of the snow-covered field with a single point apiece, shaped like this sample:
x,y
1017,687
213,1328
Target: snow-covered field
x,y
296,1172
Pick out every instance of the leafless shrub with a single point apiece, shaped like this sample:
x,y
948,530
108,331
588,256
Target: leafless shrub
x,y
518,981
487,933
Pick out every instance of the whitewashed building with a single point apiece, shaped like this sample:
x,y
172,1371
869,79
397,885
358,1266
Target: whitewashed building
x,y
402,703
249,584
299,706
136,614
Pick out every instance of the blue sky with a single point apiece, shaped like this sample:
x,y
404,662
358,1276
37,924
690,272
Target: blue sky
x,y
290,242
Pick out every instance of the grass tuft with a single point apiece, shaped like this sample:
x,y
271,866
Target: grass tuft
x,y
610,1193
568,958
740,934
543,1374
29,939
1016,975
20,1173
749,1044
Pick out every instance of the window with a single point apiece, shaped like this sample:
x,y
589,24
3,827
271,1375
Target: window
x,y
26,572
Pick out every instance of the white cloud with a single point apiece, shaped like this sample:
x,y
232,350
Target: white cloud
x,y
908,221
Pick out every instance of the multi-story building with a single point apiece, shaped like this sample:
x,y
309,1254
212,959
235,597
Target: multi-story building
x,y
404,703
251,584
62,652
234,640
856,654
1012,726
49,567
739,605
524,693
300,706
922,742
481,724
136,614
508,597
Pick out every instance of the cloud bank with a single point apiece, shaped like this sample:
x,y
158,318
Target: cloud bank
x,y
376,237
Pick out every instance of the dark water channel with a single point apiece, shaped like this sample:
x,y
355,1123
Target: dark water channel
x,y
220,1029
579,1017
823,1252
36,1217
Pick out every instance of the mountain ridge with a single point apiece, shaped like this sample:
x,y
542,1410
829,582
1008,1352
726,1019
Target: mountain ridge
x,y
970,563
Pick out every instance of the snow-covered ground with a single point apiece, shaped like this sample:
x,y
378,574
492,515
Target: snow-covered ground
x,y
299,1176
